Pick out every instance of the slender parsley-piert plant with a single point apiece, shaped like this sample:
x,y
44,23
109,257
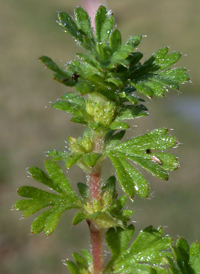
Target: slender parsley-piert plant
x,y
109,79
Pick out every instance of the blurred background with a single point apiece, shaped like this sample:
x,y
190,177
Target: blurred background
x,y
29,126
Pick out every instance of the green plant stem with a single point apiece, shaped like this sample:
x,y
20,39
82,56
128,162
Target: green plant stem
x,y
96,235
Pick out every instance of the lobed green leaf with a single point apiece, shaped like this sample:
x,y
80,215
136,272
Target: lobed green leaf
x,y
187,259
153,140
57,175
39,223
147,254
39,199
129,178
40,176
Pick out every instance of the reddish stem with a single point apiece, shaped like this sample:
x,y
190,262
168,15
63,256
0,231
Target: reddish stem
x,y
94,183
97,254
95,186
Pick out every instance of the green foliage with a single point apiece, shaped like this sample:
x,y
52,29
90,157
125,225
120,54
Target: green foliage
x,y
147,252
187,259
106,213
83,264
111,81
140,151
38,199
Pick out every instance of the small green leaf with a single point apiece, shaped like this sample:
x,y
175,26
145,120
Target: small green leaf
x,y
114,139
56,155
121,54
39,223
79,217
84,24
119,204
147,254
169,60
83,190
129,178
154,140
40,176
152,166
66,21
132,99
57,175
73,268
79,120
158,89
116,81
39,199
74,98
53,218
101,85
36,193
176,75
72,108
119,125
115,40
91,158
195,257
110,186
105,220
118,240
134,41
53,66
169,161
71,160
141,87
80,261
131,112
185,261
29,207
100,18
139,150
67,81
84,87
87,256
118,62
106,27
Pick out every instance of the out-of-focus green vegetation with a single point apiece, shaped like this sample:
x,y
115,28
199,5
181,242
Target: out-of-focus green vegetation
x,y
28,129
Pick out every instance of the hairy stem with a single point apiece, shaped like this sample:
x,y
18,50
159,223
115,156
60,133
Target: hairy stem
x,y
94,182
97,249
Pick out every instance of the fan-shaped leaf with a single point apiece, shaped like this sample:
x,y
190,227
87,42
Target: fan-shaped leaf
x,y
39,199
